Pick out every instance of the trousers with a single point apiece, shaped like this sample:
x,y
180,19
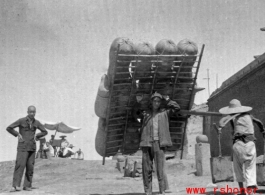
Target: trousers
x,y
244,160
150,154
25,159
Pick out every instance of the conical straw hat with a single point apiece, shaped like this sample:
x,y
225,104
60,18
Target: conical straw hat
x,y
235,107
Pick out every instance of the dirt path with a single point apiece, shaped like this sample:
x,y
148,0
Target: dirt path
x,y
64,176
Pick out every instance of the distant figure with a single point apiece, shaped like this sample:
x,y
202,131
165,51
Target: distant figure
x,y
79,155
51,143
68,151
26,148
45,151
40,148
64,142
51,149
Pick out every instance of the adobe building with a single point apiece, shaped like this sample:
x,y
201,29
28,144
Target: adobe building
x,y
248,86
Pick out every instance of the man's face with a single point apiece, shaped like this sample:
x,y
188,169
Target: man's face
x,y
31,112
156,103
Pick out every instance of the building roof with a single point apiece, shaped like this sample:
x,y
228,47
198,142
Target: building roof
x,y
241,74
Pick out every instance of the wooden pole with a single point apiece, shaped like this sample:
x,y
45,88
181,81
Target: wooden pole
x,y
208,80
55,133
216,81
191,112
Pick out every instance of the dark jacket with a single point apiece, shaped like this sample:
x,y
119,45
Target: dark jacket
x,y
163,126
27,132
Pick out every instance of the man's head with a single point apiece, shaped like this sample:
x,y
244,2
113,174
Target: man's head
x,y
31,112
71,146
156,100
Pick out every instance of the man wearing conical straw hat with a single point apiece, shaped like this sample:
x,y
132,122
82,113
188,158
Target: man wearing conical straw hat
x,y
244,149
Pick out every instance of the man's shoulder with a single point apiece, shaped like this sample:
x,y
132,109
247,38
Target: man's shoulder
x,y
23,119
37,122
244,116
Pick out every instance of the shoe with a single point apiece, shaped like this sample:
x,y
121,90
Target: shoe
x,y
27,189
15,189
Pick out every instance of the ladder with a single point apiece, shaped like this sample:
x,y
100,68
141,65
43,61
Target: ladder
x,y
124,89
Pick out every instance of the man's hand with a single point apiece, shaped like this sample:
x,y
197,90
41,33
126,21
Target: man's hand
x,y
224,120
20,138
166,97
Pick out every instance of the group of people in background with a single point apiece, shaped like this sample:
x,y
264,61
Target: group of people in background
x,y
57,148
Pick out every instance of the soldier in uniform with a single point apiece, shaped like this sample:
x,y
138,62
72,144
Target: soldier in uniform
x,y
26,148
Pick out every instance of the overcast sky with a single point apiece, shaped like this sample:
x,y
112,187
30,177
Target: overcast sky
x,y
53,53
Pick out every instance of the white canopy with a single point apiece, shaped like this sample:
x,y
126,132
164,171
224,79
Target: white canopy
x,y
60,127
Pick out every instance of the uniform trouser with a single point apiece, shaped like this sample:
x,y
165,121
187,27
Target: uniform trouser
x,y
245,154
24,160
149,154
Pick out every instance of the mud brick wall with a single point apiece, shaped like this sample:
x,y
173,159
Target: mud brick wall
x,y
250,90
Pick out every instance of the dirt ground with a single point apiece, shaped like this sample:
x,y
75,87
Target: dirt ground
x,y
66,176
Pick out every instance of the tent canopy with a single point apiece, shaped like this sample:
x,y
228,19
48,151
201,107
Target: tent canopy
x,y
60,127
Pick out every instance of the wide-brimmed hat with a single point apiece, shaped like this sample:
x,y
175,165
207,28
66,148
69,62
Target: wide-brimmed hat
x,y
235,107
62,136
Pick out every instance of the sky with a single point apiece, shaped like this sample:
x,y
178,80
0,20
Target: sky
x,y
54,52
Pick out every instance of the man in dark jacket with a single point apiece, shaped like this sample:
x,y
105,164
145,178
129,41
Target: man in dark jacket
x,y
26,147
155,136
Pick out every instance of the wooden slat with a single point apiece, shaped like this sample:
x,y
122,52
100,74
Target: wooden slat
x,y
113,125
115,135
176,133
155,61
181,100
113,141
121,84
109,148
186,66
191,78
177,121
155,56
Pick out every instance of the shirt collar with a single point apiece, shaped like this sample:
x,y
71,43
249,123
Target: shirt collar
x,y
28,119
